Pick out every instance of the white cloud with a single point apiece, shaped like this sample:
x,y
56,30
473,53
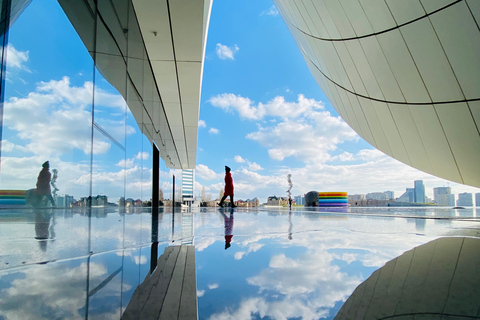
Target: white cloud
x,y
226,53
16,59
202,171
277,107
309,139
202,124
272,11
128,163
213,131
239,159
344,157
253,166
56,118
200,293
213,286
39,289
142,156
7,146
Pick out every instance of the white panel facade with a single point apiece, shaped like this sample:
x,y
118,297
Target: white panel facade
x,y
403,74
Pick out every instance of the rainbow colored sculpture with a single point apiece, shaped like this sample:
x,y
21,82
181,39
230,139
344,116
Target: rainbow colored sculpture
x,y
332,199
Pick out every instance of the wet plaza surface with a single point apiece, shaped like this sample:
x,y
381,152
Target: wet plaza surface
x,y
261,263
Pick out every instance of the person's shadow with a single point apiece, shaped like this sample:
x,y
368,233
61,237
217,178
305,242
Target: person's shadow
x,y
228,220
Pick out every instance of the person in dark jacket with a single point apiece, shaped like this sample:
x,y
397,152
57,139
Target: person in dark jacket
x,y
228,192
43,183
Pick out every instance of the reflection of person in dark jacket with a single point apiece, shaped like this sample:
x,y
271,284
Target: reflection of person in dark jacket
x,y
228,229
228,188
43,183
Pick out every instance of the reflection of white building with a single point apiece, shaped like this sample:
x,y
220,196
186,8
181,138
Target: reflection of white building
x,y
403,74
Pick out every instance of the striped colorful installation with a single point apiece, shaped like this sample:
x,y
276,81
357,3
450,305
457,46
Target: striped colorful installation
x,y
332,199
12,198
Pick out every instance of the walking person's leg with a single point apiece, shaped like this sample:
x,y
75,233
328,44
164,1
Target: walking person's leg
x,y
221,201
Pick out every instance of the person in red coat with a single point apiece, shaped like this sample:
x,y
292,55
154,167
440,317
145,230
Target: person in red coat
x,y
228,188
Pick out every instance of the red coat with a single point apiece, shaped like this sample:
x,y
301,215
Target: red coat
x,y
228,184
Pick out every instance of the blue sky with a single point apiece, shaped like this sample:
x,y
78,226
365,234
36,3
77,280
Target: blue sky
x,y
261,113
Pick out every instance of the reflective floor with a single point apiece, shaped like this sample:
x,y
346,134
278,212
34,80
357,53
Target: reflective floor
x,y
267,263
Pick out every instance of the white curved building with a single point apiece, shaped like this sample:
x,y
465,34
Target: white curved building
x,y
403,74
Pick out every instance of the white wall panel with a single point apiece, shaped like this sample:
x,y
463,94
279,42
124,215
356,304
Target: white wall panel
x,y
364,69
378,14
340,19
405,10
154,18
411,138
357,17
435,141
327,20
432,5
375,125
475,110
403,67
474,6
350,68
308,23
166,77
318,29
461,42
431,61
381,70
391,131
362,120
462,135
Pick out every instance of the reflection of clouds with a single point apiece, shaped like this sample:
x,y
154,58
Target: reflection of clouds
x,y
200,293
281,310
49,293
304,275
308,285
252,247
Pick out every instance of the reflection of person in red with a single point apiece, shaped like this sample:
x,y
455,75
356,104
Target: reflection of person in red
x,y
43,183
228,229
228,188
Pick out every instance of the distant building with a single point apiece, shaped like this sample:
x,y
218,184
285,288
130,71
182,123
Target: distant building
x,y
356,197
465,199
477,199
376,196
248,203
419,191
408,196
443,196
300,200
188,181
390,195
277,201
64,201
